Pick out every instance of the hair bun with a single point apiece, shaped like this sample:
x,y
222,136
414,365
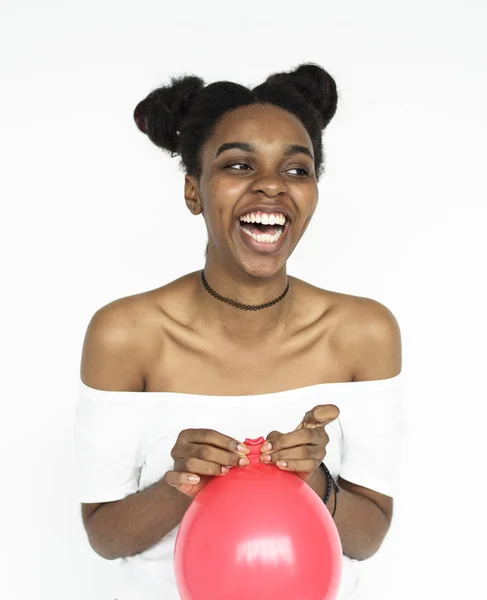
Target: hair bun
x,y
316,84
160,114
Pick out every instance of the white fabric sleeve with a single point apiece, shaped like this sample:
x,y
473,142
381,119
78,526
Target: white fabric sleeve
x,y
107,433
372,428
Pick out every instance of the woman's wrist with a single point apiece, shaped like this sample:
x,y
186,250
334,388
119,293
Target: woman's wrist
x,y
332,488
318,483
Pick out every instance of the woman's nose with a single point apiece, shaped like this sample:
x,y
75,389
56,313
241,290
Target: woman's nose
x,y
271,185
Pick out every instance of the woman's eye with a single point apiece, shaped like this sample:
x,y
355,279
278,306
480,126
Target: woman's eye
x,y
304,172
236,165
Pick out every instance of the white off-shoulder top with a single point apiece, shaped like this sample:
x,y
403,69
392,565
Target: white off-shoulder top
x,y
124,439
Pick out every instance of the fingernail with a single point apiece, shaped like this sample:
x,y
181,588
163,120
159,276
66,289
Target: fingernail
x,y
281,463
243,449
225,470
266,458
193,478
243,462
266,447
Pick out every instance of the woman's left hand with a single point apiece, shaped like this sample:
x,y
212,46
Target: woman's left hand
x,y
303,449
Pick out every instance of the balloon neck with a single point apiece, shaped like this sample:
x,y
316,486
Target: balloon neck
x,y
254,444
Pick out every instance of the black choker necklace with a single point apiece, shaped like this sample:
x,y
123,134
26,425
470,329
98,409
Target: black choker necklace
x,y
237,304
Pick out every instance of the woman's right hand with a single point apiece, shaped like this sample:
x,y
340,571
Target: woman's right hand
x,y
203,454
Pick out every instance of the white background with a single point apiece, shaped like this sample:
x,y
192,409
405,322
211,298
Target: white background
x,y
92,211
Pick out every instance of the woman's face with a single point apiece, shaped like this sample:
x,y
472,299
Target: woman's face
x,y
271,173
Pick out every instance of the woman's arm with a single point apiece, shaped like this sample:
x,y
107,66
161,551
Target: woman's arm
x,y
112,359
363,516
362,523
135,523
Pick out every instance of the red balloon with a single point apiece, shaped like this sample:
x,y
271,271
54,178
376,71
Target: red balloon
x,y
257,532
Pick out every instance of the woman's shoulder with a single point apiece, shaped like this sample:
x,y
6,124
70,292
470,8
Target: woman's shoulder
x,y
364,329
120,338
138,309
139,319
349,309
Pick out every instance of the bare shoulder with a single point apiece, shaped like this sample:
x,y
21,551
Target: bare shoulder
x,y
365,330
121,335
113,348
371,337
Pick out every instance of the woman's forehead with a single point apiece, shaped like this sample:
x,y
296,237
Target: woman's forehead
x,y
257,122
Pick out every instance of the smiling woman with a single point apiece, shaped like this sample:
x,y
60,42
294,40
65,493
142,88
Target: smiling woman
x,y
188,114
174,379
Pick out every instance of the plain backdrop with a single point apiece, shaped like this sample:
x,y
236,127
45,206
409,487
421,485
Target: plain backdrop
x,y
91,211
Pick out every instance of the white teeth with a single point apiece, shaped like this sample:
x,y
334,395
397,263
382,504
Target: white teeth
x,y
264,237
264,218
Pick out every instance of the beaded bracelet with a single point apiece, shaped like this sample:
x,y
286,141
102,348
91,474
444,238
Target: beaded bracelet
x,y
329,482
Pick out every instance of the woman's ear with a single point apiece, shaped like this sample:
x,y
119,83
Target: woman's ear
x,y
192,195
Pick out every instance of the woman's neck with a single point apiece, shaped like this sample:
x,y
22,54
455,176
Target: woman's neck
x,y
235,322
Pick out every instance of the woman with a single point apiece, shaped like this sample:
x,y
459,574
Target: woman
x,y
237,345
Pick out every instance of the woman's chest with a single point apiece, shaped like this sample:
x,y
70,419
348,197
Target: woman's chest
x,y
216,367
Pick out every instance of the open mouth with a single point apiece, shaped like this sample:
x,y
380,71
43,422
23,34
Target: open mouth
x,y
265,229
263,233
268,237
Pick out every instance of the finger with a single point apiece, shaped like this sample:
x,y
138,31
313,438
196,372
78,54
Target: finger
x,y
191,483
213,438
322,413
314,452
220,457
273,435
319,416
198,466
177,478
308,465
296,438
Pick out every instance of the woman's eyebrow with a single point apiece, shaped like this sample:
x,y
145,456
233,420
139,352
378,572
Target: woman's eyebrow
x,y
246,147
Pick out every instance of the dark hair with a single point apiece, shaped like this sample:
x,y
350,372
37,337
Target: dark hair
x,y
182,116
